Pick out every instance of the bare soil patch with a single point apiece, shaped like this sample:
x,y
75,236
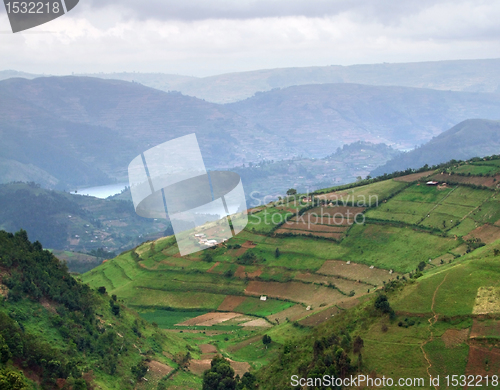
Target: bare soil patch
x,y
455,337
355,271
259,322
241,273
231,302
484,328
477,180
209,319
483,359
308,294
318,318
213,266
248,244
198,367
487,300
413,177
207,348
346,286
159,368
487,233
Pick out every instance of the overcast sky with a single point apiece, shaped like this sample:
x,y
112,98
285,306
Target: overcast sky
x,y
208,37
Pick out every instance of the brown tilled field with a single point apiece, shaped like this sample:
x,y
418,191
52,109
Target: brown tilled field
x,y
355,271
209,319
159,368
455,337
259,323
484,328
483,359
231,302
308,294
487,233
486,181
213,267
413,177
241,273
198,367
322,316
346,286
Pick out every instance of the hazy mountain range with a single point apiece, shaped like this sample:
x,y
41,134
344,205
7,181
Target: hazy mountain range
x,y
73,131
464,75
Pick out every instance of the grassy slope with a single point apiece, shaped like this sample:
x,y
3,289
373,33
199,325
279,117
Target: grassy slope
x,y
389,239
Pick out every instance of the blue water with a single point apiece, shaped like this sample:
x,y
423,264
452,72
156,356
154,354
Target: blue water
x,y
102,191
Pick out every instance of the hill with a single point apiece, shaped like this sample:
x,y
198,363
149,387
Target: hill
x,y
71,132
470,138
465,75
56,333
80,131
63,221
305,259
319,118
455,75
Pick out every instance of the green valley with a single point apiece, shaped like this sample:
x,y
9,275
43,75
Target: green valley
x,y
309,266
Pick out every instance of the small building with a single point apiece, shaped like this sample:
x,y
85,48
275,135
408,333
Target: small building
x,y
432,183
263,298
211,242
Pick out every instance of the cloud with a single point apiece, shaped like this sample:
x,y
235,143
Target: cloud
x,y
135,36
190,10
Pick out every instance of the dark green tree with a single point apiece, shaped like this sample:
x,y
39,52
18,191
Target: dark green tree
x,y
11,380
220,376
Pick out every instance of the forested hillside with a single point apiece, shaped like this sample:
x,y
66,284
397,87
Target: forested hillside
x,y
55,332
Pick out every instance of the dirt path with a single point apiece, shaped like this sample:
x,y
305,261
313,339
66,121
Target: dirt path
x,y
432,320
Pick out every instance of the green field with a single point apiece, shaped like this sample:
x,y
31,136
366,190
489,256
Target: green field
x,y
167,319
262,308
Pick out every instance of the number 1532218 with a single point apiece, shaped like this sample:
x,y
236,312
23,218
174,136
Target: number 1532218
x,y
21,7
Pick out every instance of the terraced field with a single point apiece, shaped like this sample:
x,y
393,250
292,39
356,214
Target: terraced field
x,y
295,267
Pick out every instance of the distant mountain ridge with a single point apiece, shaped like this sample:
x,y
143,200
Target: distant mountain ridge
x,y
456,75
316,117
470,138
73,132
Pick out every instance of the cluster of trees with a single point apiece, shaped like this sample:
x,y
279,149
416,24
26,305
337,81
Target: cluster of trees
x,y
383,306
330,356
220,376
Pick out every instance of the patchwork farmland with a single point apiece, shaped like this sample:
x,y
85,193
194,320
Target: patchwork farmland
x,y
299,264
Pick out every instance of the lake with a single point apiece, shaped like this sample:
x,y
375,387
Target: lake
x,y
102,191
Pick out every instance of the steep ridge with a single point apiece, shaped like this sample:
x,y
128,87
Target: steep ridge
x,y
470,138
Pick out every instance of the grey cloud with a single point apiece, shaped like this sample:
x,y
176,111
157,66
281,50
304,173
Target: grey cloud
x,y
386,11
